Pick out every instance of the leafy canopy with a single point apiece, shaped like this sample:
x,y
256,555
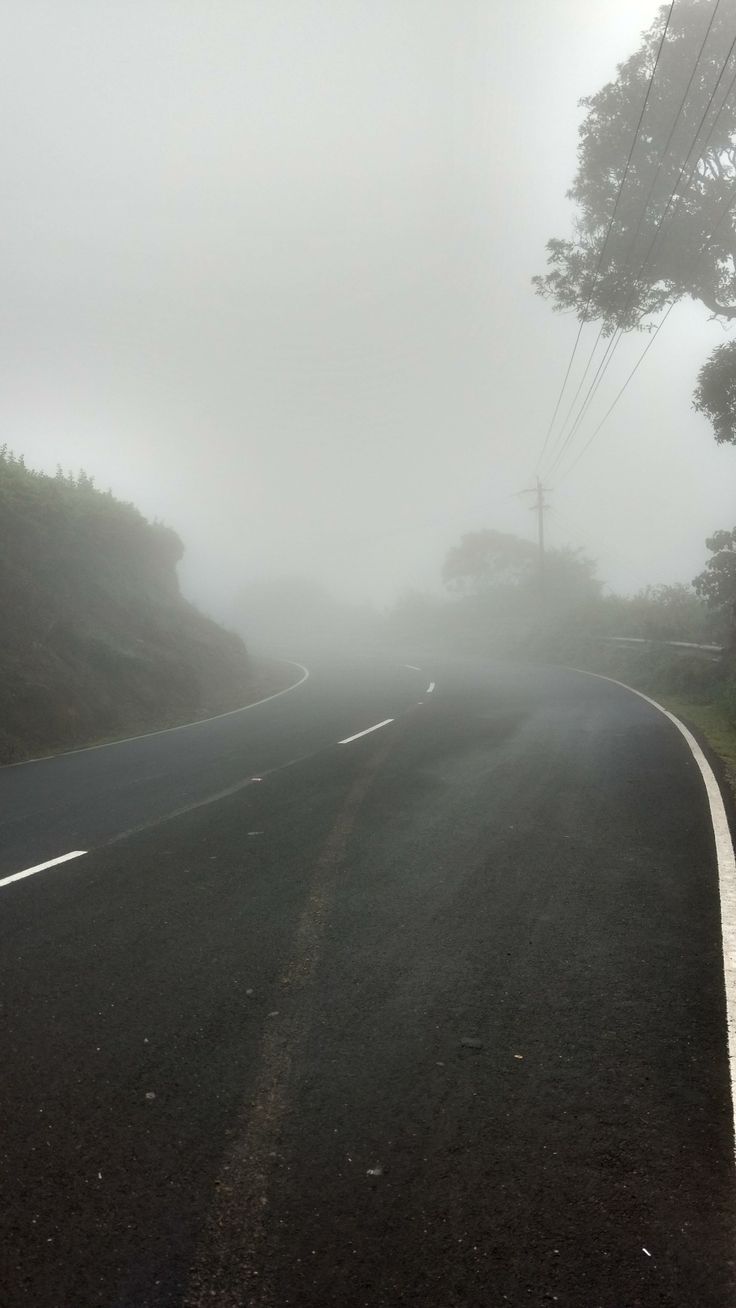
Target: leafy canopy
x,y
715,392
644,266
491,561
72,505
717,583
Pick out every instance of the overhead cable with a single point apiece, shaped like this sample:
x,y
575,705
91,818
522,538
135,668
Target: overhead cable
x,y
608,232
675,192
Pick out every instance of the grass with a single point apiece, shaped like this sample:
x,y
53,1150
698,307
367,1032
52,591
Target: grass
x,y
713,723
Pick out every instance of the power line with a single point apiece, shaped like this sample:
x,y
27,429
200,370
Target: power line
x,y
563,444
580,384
675,122
601,371
616,338
630,378
724,214
660,325
592,391
663,153
590,396
674,190
609,229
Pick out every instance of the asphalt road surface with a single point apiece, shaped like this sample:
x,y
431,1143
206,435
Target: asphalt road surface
x,y
435,1017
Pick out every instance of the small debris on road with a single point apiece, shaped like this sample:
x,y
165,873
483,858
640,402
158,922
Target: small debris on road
x,y
150,1094
375,1171
646,1251
471,1042
250,993
275,1013
519,1056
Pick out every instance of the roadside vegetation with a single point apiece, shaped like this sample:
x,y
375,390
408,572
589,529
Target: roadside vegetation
x,y
96,640
673,642
654,224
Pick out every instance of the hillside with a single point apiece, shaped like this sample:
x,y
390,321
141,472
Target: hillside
x,y
96,640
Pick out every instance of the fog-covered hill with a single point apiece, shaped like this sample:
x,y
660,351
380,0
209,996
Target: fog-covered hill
x,y
96,640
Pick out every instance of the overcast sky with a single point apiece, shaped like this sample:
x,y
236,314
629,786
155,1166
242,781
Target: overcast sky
x,y
266,272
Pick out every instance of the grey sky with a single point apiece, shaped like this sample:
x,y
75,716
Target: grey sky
x,y
266,271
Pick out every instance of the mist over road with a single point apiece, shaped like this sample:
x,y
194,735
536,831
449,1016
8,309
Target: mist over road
x,y
434,1016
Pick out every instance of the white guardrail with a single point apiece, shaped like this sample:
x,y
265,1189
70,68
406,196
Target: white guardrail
x,y
712,652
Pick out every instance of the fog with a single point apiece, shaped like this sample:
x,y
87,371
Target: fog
x,y
266,273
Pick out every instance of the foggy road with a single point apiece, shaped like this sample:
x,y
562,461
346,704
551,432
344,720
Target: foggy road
x,y
404,987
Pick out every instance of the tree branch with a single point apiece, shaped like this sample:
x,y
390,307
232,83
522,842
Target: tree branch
x,y
720,310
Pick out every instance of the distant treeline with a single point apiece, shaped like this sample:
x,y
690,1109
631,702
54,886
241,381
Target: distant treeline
x,y
69,502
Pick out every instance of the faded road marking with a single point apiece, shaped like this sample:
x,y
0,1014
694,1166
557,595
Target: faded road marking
x,y
349,739
228,1270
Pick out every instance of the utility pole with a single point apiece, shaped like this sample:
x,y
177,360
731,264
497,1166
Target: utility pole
x,y
539,507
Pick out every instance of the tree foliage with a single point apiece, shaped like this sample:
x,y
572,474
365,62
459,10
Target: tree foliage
x,y
664,612
715,392
656,251
33,502
488,558
493,561
717,583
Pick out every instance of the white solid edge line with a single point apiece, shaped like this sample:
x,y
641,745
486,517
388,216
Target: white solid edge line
x,y
41,867
165,731
726,870
348,739
430,688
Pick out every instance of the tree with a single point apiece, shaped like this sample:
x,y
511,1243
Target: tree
x,y
663,612
715,392
490,562
717,582
489,558
671,233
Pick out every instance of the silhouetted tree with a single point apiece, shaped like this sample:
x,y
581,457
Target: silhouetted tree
x,y
715,392
488,558
672,233
495,560
717,582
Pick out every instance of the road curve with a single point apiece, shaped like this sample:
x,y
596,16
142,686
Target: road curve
x,y
432,1017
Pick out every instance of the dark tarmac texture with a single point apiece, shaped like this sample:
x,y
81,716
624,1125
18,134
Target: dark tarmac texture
x,y
434,1018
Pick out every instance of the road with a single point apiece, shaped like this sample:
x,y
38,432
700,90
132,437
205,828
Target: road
x,y
435,1017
